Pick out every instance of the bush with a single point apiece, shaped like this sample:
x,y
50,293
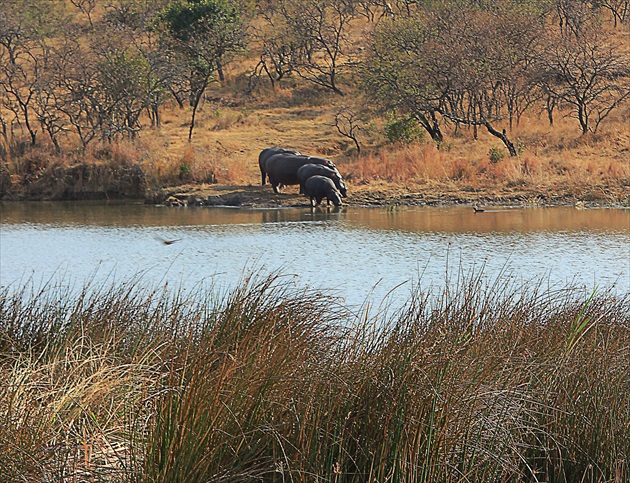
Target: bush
x,y
404,131
496,154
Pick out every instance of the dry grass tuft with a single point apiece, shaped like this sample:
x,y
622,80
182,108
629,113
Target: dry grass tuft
x,y
478,383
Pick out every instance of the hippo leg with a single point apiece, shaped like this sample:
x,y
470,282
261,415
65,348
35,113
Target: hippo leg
x,y
264,177
275,185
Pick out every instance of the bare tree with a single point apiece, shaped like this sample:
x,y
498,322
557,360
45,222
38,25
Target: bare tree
x,y
618,8
349,124
588,75
470,65
279,46
86,7
47,99
123,92
395,74
574,16
19,71
76,77
317,42
26,69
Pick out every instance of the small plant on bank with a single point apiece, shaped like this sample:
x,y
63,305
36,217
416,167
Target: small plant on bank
x,y
184,172
405,130
496,154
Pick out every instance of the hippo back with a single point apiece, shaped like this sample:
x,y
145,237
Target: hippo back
x,y
310,169
320,187
283,168
266,153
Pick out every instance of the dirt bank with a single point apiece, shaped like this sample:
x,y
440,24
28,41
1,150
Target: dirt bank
x,y
129,181
382,194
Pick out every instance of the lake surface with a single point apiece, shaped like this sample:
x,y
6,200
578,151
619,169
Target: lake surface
x,y
359,254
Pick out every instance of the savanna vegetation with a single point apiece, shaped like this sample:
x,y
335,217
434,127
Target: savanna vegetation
x,y
103,98
272,383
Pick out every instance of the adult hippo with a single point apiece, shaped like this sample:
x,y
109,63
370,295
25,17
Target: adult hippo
x,y
308,170
265,154
319,187
282,168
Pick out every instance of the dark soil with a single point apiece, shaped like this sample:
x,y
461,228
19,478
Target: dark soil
x,y
386,195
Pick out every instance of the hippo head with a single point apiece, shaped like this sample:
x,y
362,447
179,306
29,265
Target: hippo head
x,y
343,189
335,197
323,161
339,183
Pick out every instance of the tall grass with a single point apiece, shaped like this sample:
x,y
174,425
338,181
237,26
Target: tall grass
x,y
270,382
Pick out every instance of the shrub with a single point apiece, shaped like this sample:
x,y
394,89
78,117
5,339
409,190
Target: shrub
x,y
496,154
405,130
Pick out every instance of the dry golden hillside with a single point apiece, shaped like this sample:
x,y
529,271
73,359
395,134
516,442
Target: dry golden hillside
x,y
555,164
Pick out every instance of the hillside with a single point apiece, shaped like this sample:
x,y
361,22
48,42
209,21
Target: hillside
x,y
244,113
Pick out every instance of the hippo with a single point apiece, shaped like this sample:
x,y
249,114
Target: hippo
x,y
282,168
265,154
309,170
319,187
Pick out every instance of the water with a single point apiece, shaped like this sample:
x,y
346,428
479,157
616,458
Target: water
x,y
358,254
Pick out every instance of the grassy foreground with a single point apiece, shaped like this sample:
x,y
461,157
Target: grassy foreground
x,y
269,382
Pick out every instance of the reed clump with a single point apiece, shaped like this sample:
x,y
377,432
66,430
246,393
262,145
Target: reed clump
x,y
271,382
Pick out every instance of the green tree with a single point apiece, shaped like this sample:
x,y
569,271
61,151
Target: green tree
x,y
207,33
122,74
469,63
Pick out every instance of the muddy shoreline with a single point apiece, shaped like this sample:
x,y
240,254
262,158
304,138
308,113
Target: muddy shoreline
x,y
249,196
377,193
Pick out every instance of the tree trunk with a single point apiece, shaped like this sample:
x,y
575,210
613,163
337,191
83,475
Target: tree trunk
x,y
432,127
194,103
502,136
220,72
56,144
179,100
31,131
583,118
192,119
550,106
333,83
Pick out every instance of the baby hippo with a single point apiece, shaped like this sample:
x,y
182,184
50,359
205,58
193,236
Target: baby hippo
x,y
308,170
319,187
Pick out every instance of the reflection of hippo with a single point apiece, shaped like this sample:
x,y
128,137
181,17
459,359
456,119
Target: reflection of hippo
x,y
308,170
265,154
282,168
319,187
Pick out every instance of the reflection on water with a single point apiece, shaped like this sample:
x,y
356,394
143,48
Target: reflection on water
x,y
354,252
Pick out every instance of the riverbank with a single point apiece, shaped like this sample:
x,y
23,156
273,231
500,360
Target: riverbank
x,y
220,166
412,176
390,194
